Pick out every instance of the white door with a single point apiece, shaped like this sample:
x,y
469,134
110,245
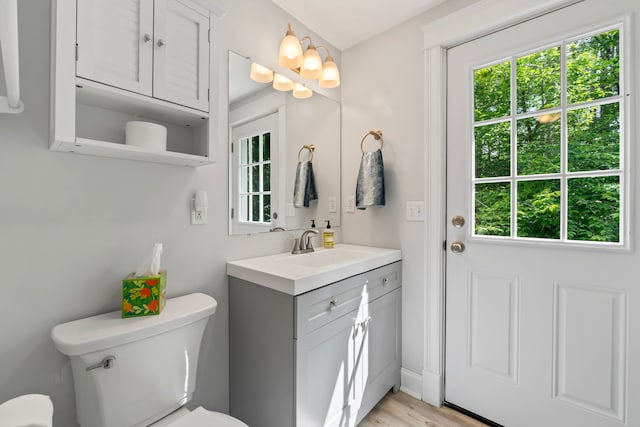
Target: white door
x,y
254,174
181,54
115,43
543,299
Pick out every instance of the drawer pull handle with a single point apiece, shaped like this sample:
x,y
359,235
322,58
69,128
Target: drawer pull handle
x,y
332,304
385,281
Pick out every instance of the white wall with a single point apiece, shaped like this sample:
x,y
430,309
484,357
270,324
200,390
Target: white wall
x,y
72,226
383,88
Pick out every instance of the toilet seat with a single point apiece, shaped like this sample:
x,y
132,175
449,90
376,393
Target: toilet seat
x,y
203,418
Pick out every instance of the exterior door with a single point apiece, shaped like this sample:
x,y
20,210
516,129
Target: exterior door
x,y
542,294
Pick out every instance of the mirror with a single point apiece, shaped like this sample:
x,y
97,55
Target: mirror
x,y
272,136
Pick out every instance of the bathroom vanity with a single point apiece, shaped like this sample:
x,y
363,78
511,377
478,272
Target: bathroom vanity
x,y
315,338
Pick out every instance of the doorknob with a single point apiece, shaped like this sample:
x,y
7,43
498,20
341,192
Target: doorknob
x,y
457,247
161,43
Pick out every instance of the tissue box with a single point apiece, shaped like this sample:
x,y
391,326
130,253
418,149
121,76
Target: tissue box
x,y
143,296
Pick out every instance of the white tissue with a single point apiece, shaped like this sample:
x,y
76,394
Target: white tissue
x,y
30,410
151,264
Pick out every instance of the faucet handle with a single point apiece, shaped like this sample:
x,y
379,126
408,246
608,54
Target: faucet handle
x,y
308,244
296,245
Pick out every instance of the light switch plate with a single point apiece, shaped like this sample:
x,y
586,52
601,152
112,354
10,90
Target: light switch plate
x,y
351,204
415,211
333,204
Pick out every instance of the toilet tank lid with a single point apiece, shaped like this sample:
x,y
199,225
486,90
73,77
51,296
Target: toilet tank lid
x,y
110,329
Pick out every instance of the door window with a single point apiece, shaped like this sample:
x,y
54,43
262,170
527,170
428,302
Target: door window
x,y
548,143
255,179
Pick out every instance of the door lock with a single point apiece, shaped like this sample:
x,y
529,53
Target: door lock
x,y
457,221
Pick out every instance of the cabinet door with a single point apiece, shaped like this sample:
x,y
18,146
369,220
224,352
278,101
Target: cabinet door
x,y
114,43
181,55
378,347
324,373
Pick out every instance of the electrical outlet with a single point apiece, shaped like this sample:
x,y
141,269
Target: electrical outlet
x,y
415,211
198,217
333,204
351,204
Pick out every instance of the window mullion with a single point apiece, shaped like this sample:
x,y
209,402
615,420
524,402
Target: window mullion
x,y
564,144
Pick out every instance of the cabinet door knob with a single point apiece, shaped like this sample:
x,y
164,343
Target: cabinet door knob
x,y
146,38
385,281
332,304
161,43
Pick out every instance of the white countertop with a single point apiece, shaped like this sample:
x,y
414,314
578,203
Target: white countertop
x,y
297,274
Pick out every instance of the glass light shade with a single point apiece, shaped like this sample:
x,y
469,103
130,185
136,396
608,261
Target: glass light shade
x,y
290,51
261,74
330,74
301,92
311,64
282,83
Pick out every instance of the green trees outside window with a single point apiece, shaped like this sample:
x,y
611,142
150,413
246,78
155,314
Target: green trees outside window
x,y
548,162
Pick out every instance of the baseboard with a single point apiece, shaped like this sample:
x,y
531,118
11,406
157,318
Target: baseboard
x,y
432,388
411,383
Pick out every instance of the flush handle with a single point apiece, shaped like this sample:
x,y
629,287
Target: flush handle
x,y
106,363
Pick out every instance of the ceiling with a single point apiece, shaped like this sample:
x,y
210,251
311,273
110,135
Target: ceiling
x,y
345,23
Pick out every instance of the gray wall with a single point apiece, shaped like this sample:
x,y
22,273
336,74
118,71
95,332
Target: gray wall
x,y
392,65
72,226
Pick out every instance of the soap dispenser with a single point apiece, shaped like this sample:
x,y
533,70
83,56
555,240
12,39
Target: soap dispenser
x,y
328,237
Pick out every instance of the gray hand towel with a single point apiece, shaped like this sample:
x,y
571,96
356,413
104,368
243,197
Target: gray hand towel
x,y
370,185
304,189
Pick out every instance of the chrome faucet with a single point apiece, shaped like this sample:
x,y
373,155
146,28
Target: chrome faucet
x,y
303,244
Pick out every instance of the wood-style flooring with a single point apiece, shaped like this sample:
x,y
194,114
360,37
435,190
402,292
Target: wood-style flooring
x,y
401,410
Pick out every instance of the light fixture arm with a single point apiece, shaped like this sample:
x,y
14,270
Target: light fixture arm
x,y
310,46
328,51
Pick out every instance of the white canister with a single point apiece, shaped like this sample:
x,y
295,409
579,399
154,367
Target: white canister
x,y
147,135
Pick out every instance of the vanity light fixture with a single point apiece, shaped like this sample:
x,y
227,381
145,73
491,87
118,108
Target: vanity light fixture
x,y
282,83
260,73
309,65
301,91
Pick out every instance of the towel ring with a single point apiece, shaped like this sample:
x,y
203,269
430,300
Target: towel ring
x,y
311,149
377,135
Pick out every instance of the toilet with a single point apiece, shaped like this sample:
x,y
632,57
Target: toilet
x,y
140,372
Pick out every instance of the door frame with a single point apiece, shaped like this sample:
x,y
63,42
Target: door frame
x,y
474,21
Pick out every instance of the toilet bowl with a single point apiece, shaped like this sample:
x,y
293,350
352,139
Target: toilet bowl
x,y
140,372
30,410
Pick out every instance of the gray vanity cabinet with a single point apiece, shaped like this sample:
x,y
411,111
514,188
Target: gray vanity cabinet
x,y
323,358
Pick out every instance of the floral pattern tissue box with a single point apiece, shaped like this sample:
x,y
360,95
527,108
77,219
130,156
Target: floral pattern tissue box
x,y
143,296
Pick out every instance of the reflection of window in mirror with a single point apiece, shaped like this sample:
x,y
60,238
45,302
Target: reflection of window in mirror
x,y
254,160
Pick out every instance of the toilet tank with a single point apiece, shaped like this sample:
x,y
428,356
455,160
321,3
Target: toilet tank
x,y
151,362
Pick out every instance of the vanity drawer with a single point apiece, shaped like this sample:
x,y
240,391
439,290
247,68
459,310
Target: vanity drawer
x,y
321,306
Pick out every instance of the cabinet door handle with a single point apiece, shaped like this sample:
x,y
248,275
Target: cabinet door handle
x,y
146,38
332,304
385,281
161,43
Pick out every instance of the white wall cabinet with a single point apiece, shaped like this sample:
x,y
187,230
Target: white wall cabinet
x,y
323,358
132,60
156,48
